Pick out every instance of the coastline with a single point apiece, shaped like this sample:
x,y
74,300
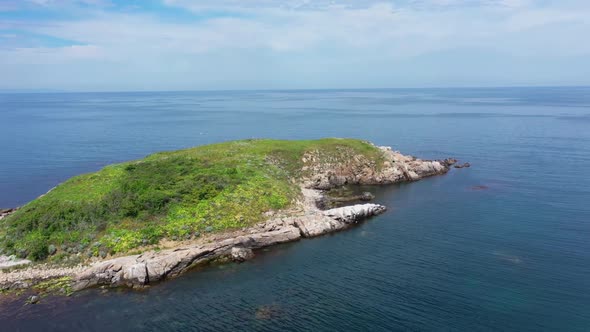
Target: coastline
x,y
305,220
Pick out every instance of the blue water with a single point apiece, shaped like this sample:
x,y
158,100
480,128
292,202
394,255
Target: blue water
x,y
512,257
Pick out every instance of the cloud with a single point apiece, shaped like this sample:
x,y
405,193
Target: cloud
x,y
297,36
51,55
47,3
199,5
311,5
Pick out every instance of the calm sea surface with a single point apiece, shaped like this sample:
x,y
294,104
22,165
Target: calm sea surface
x,y
512,257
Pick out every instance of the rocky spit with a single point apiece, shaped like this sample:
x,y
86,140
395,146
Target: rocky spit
x,y
306,220
151,267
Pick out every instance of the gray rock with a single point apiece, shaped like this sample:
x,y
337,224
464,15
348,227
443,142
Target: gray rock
x,y
355,213
19,285
464,165
34,299
336,219
239,254
367,196
450,161
51,250
11,261
102,254
209,229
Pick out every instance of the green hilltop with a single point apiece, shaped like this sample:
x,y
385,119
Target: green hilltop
x,y
175,195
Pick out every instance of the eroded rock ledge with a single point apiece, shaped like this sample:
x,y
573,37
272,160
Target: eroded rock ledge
x,y
151,267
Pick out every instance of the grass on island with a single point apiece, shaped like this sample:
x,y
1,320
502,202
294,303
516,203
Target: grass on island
x,y
176,195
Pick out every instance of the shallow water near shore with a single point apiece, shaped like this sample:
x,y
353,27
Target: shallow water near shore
x,y
502,245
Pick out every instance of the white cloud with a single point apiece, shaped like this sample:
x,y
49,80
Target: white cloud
x,y
47,3
199,5
310,5
386,30
314,35
51,55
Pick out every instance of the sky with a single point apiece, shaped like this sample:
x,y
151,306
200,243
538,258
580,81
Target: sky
x,y
116,45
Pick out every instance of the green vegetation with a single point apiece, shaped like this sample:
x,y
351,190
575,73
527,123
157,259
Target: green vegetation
x,y
61,285
178,195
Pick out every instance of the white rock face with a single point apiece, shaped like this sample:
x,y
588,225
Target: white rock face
x,y
323,222
354,213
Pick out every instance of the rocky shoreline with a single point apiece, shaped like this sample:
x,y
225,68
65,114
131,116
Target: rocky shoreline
x,y
152,267
306,220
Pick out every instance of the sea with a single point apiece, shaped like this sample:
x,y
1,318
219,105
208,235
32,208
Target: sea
x,y
501,246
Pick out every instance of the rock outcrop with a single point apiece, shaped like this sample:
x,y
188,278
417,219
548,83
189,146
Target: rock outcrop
x,y
6,212
12,261
239,254
323,222
464,165
393,167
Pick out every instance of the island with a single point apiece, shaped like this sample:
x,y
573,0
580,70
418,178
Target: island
x,y
144,221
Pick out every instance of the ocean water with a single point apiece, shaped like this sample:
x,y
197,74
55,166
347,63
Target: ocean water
x,y
511,256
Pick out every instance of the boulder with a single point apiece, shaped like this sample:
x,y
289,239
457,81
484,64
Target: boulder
x,y
239,254
450,161
367,196
34,299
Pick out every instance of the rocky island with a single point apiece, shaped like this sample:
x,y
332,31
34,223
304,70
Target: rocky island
x,y
141,222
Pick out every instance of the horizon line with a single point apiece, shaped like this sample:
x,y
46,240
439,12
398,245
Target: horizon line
x,y
49,91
